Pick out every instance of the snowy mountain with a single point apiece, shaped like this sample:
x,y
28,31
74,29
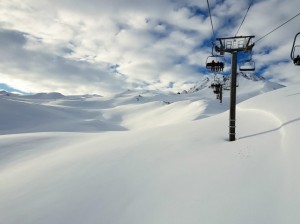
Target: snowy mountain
x,y
44,112
144,157
242,77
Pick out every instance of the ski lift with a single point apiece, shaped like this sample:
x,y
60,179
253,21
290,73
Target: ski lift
x,y
247,65
215,81
226,83
215,62
295,57
217,88
215,84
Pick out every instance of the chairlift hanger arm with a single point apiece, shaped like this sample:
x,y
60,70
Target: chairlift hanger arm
x,y
249,46
212,49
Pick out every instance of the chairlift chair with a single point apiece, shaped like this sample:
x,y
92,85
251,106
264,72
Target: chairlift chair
x,y
295,56
215,63
216,88
247,65
296,60
226,83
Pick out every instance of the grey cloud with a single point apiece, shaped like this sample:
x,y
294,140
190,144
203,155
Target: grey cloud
x,y
45,68
11,38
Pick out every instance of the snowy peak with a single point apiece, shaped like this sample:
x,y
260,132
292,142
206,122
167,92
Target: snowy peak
x,y
3,92
251,76
245,80
51,95
200,85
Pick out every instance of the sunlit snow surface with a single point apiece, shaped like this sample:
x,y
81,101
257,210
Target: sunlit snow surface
x,y
145,158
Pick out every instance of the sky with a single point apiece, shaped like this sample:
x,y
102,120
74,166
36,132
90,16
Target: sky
x,y
104,47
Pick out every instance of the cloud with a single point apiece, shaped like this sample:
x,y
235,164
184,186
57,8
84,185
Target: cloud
x,y
105,46
34,71
284,73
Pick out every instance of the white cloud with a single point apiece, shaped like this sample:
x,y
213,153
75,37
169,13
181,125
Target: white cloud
x,y
284,73
70,45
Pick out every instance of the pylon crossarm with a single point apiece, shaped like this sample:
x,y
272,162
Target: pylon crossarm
x,y
234,44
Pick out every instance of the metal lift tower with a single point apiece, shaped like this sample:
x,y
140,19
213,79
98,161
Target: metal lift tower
x,y
234,45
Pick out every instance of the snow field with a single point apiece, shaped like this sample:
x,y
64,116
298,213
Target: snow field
x,y
178,171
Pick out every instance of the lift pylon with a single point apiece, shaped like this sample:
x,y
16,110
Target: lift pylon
x,y
234,45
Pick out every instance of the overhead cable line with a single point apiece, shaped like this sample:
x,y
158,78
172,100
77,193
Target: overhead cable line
x,y
278,27
212,26
244,18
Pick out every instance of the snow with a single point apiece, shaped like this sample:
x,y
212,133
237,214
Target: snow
x,y
151,158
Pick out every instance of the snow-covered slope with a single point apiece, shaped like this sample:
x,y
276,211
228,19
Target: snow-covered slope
x,y
183,172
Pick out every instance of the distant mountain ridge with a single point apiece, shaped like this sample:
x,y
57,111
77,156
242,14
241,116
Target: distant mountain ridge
x,y
251,76
54,111
225,80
